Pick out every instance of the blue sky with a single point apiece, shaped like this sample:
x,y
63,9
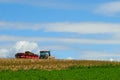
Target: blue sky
x,y
77,29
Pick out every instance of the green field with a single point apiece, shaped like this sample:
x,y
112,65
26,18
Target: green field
x,y
37,69
73,73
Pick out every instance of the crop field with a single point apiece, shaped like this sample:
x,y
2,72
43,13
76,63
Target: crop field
x,y
36,69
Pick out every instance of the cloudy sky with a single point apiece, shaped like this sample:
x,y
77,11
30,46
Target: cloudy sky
x,y
78,29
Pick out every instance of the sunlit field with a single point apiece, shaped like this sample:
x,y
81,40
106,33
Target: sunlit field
x,y
26,64
37,69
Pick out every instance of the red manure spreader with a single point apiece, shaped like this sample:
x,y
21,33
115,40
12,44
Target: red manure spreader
x,y
30,55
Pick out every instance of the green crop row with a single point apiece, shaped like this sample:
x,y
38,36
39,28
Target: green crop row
x,y
74,73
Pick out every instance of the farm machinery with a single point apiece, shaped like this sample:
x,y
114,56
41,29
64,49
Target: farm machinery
x,y
30,55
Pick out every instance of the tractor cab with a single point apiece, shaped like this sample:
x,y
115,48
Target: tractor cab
x,y
44,54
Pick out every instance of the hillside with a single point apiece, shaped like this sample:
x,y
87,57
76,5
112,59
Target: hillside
x,y
26,64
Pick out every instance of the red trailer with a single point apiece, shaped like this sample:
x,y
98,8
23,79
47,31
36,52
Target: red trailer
x,y
27,54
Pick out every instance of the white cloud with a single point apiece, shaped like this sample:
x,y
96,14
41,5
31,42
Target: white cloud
x,y
4,53
81,28
84,27
20,46
111,59
54,47
60,40
99,55
69,58
110,8
38,39
19,26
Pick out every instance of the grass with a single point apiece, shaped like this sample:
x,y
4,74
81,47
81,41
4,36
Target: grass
x,y
76,73
27,69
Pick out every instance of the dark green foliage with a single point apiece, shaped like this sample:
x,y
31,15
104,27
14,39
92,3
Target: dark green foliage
x,y
106,72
